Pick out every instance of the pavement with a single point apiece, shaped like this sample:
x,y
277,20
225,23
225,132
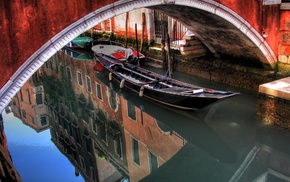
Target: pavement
x,y
278,88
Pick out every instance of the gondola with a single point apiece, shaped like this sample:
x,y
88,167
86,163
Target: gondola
x,y
160,88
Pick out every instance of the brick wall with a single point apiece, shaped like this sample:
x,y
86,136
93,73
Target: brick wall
x,y
271,110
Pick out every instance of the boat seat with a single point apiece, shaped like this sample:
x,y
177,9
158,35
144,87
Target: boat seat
x,y
158,86
152,84
143,79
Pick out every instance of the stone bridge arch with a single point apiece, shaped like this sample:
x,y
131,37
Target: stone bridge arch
x,y
240,35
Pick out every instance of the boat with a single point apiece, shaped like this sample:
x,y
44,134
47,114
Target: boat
x,y
80,42
79,54
118,51
159,88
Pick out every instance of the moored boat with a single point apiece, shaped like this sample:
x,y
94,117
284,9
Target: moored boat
x,y
159,88
118,51
80,42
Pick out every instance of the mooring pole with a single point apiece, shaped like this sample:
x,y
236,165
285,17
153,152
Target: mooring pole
x,y
164,64
170,61
126,28
137,42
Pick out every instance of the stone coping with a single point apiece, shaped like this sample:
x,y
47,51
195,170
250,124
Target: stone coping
x,y
278,88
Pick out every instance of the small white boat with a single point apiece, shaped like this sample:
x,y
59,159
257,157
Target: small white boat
x,y
119,52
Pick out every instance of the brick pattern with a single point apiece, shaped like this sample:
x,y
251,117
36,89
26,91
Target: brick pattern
x,y
271,110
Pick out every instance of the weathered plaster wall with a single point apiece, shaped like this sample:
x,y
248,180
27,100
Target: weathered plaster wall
x,y
284,38
263,18
26,25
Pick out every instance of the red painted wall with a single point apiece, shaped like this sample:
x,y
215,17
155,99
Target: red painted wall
x,y
263,18
26,25
284,41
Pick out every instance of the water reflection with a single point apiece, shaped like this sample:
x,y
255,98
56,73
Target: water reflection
x,y
110,135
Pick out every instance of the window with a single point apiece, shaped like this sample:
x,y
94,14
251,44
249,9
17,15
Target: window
x,y
131,111
82,162
153,162
95,128
28,96
93,175
113,99
89,87
161,25
21,95
118,148
103,134
39,99
68,72
135,151
50,65
77,135
88,144
80,78
99,91
43,120
23,114
69,129
33,120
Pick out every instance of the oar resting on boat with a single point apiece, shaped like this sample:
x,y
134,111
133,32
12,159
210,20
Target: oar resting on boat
x,y
161,81
156,81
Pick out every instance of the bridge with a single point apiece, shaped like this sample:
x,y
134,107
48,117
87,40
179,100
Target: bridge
x,y
33,31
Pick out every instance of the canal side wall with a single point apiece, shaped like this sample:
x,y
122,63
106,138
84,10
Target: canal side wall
x,y
220,71
273,105
273,110
234,75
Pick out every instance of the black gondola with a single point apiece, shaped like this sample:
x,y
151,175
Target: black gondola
x,y
160,88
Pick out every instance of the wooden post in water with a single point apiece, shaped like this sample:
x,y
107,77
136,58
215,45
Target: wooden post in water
x,y
137,42
169,59
126,29
143,29
164,63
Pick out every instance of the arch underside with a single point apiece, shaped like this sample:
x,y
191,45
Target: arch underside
x,y
221,30
221,37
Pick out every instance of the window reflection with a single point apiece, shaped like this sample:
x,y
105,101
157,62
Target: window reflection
x,y
112,99
80,78
135,151
131,111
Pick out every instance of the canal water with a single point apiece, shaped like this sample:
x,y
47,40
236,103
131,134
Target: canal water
x,y
69,123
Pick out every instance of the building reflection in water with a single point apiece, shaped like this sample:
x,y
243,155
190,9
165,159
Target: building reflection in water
x,y
110,135
106,137
28,104
8,172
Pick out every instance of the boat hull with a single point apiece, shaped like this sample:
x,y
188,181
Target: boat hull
x,y
174,100
157,88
